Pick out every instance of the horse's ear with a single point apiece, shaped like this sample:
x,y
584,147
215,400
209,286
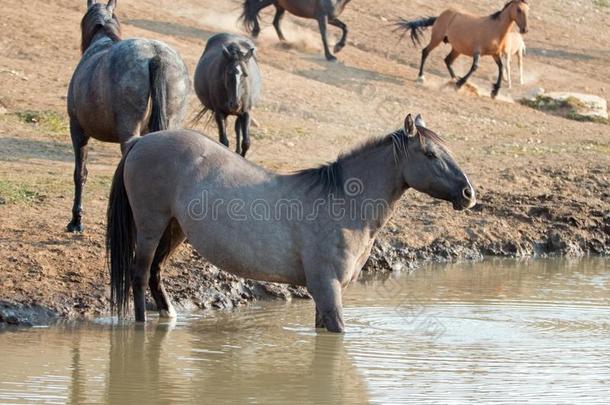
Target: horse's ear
x,y
111,6
246,57
409,128
419,121
90,3
226,52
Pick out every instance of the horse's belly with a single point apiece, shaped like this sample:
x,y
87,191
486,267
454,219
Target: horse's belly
x,y
272,261
300,8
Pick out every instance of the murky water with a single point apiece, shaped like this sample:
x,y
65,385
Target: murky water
x,y
536,331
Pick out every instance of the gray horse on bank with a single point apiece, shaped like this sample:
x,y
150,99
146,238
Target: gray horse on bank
x,y
228,82
313,228
119,90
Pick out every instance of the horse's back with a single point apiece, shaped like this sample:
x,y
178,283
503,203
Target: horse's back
x,y
111,85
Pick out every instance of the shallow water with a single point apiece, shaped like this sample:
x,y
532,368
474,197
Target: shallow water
x,y
497,331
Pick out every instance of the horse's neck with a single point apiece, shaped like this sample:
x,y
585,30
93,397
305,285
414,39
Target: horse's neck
x,y
100,41
375,183
505,24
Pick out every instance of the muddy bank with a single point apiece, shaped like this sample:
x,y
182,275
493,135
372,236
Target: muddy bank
x,y
514,226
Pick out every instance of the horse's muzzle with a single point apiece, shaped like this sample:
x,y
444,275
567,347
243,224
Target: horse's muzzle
x,y
524,30
466,200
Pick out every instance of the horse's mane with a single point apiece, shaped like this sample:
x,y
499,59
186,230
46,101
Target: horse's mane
x,y
497,14
98,18
329,177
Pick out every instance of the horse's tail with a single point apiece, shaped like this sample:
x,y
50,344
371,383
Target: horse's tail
x,y
205,111
249,15
158,95
416,27
120,239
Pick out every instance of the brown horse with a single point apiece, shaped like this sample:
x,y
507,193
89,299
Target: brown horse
x,y
324,11
470,35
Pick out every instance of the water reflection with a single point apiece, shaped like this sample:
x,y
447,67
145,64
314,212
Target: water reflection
x,y
536,330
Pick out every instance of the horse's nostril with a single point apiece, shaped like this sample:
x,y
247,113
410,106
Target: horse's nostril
x,y
467,193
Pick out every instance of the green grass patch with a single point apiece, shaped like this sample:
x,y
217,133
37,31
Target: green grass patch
x,y
47,120
601,3
567,108
13,193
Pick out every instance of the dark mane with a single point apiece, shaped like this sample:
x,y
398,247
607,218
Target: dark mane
x,y
98,19
496,15
329,177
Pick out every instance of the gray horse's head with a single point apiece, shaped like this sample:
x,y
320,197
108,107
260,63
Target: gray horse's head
x,y
428,167
235,73
99,17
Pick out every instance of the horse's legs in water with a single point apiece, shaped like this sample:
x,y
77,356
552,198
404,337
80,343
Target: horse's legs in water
x,y
340,24
245,132
326,292
221,121
475,66
172,238
279,13
496,88
238,135
323,23
449,59
79,144
147,241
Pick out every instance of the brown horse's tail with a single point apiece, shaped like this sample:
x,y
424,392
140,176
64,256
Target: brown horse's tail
x,y
249,15
416,27
158,95
120,239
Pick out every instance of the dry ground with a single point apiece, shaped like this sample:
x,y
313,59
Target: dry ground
x,y
543,180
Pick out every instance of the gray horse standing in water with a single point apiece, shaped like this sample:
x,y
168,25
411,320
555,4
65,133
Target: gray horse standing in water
x,y
120,89
228,82
313,228
324,11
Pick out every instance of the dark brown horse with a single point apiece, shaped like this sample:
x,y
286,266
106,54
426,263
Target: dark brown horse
x,y
120,89
324,11
228,82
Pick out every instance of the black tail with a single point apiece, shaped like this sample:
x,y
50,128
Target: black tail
x,y
120,240
416,27
249,16
158,95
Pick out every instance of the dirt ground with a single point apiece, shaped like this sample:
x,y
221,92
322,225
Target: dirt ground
x,y
543,181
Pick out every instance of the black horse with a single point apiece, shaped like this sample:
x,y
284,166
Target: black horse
x,y
228,82
324,11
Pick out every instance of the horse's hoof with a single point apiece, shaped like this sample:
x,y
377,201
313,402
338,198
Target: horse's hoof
x,y
331,58
338,47
75,227
460,83
494,94
420,79
168,314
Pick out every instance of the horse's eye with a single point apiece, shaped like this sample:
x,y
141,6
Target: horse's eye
x,y
430,154
519,10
